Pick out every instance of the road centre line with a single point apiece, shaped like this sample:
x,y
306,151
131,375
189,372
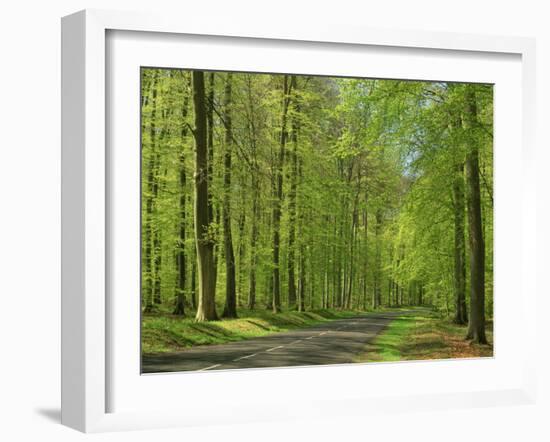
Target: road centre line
x,y
245,357
208,368
281,346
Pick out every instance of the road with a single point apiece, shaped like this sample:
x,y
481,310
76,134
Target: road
x,y
334,342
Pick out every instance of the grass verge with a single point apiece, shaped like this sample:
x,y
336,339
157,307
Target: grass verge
x,y
161,333
424,336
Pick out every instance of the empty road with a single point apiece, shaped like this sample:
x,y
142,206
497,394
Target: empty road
x,y
334,342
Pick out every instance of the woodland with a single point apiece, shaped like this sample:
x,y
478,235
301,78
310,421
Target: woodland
x,y
280,192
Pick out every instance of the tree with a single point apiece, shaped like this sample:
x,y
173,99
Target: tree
x,y
461,316
292,209
278,192
213,215
206,309
254,188
181,258
147,277
230,310
476,327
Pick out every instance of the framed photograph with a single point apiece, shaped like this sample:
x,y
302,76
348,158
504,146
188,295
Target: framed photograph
x,y
294,222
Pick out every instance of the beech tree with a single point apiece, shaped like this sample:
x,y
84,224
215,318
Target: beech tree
x,y
206,308
230,310
476,327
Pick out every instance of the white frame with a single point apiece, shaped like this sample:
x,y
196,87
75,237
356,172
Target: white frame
x,y
84,358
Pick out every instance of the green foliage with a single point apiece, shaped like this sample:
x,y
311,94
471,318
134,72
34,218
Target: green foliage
x,y
373,209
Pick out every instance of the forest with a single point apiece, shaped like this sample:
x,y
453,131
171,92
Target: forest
x,y
273,193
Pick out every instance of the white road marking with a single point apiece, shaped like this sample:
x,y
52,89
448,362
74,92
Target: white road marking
x,y
280,346
245,357
208,368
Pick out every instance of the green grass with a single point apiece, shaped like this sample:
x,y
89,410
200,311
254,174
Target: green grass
x,y
163,333
424,335
412,336
388,344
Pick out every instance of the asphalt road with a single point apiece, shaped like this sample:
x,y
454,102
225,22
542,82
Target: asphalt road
x,y
334,342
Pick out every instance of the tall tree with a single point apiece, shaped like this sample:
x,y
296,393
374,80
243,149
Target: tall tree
x,y
213,215
377,292
230,309
147,278
461,315
302,250
180,251
278,196
292,209
254,183
206,309
476,327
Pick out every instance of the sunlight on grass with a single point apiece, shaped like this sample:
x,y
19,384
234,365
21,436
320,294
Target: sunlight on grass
x,y
423,336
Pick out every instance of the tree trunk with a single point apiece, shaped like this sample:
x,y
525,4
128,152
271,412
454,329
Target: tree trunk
x,y
182,268
253,241
213,215
194,281
365,248
147,289
241,252
157,262
302,281
353,239
461,315
230,309
206,310
278,197
292,216
377,293
159,184
302,251
312,282
181,259
255,183
476,328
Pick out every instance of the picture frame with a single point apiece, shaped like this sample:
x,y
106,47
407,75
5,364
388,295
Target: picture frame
x,y
87,319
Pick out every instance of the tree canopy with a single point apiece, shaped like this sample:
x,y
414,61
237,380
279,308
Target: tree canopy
x,y
307,192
